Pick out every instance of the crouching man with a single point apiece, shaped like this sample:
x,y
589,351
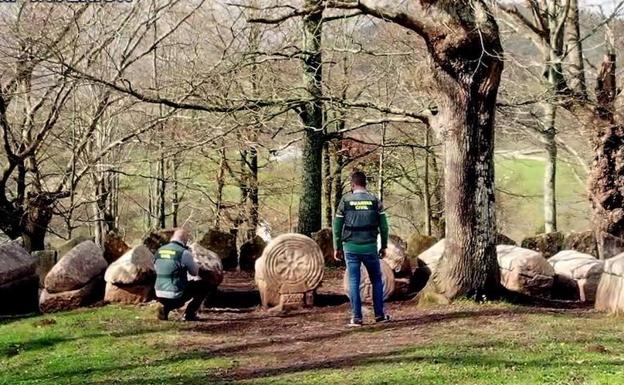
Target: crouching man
x,y
173,263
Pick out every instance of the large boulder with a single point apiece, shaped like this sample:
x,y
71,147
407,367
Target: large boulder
x,y
502,239
582,269
15,262
114,247
610,246
224,244
396,257
548,244
154,240
249,252
129,294
20,296
325,240
525,271
583,242
136,266
76,268
46,259
210,266
72,299
19,283
430,258
610,292
418,243
130,279
4,238
65,247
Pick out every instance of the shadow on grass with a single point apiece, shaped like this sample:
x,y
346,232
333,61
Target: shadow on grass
x,y
344,361
363,360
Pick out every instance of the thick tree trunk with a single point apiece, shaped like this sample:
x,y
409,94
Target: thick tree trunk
x,y
469,266
606,179
468,67
310,204
550,168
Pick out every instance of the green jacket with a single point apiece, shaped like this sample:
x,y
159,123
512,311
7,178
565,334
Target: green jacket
x,y
360,218
171,270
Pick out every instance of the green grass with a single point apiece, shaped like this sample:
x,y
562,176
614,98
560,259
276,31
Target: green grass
x,y
520,201
463,344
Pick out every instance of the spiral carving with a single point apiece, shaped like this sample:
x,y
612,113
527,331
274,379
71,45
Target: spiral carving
x,y
293,263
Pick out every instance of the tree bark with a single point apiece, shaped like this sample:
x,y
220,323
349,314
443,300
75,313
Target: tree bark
x,y
382,154
426,187
311,113
463,40
327,184
550,168
220,185
468,66
606,179
337,174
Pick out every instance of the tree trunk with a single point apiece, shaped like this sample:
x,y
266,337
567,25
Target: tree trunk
x,y
254,202
606,179
380,182
426,188
468,67
36,220
337,174
310,204
220,185
175,192
327,185
463,40
576,65
550,168
469,266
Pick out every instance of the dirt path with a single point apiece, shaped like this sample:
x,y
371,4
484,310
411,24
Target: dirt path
x,y
263,344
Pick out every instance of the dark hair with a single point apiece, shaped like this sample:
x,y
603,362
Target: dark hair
x,y
358,178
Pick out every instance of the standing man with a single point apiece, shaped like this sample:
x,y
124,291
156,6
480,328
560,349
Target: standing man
x,y
359,220
172,263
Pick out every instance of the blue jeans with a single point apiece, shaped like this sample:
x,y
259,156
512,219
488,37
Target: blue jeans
x,y
373,267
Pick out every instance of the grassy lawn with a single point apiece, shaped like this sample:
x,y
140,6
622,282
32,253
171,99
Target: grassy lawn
x,y
459,344
520,197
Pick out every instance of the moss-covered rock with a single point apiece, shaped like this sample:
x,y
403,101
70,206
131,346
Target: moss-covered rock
x,y
155,239
325,240
224,244
417,243
114,247
548,244
249,252
583,242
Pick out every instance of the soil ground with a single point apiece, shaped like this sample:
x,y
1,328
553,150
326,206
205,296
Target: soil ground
x,y
237,342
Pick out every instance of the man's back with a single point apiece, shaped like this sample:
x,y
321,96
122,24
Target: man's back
x,y
172,262
359,220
